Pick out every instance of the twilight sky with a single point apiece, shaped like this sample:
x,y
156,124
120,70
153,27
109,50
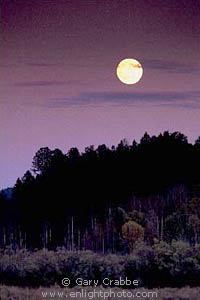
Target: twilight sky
x,y
58,74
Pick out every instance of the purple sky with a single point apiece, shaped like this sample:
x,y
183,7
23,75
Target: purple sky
x,y
58,74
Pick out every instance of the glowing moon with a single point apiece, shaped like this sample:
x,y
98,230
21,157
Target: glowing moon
x,y
129,71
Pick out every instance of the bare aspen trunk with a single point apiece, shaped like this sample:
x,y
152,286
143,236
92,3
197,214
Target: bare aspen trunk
x,y
45,244
25,240
50,235
161,233
113,242
79,240
68,237
95,243
84,241
72,233
20,238
4,236
157,225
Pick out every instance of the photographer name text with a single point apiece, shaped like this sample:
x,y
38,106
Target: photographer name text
x,y
106,282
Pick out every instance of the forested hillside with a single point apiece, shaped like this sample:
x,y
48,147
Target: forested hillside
x,y
105,199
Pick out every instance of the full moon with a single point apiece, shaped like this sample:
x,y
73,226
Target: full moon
x,y
129,71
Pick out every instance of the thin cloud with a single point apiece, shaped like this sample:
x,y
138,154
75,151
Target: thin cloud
x,y
47,83
181,105
7,65
171,66
30,64
39,83
42,65
186,99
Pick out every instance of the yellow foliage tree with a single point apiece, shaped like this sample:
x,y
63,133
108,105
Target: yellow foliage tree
x,y
132,232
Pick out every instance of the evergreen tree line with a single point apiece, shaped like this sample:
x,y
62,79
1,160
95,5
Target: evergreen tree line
x,y
102,199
